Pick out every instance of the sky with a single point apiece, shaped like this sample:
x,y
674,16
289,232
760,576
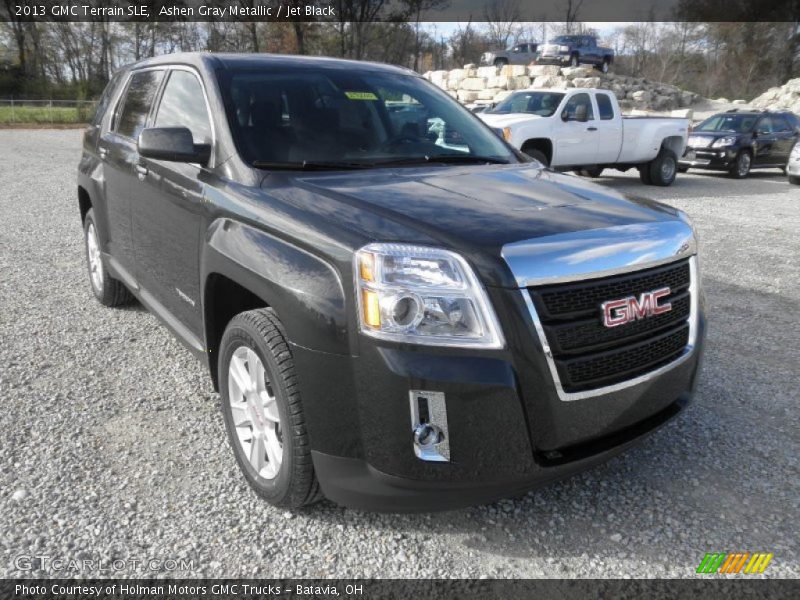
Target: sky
x,y
602,27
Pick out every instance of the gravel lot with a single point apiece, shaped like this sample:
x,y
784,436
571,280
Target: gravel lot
x,y
113,443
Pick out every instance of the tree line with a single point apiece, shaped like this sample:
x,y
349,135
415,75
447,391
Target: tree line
x,y
75,60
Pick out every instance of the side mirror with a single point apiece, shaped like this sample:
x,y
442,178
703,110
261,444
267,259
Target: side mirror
x,y
172,143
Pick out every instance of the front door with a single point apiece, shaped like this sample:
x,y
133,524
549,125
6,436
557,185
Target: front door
x,y
575,141
168,206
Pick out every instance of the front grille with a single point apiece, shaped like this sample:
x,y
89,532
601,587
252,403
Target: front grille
x,y
587,354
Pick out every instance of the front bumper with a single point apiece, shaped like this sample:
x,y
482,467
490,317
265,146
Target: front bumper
x,y
558,59
715,159
509,431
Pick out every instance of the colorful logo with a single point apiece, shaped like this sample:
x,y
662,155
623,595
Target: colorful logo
x,y
737,562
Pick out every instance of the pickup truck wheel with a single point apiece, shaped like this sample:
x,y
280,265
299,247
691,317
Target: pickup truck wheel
x,y
794,180
741,168
663,168
574,61
500,62
603,66
538,155
107,290
263,411
592,172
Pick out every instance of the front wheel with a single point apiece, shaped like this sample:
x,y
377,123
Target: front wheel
x,y
500,63
741,168
538,155
574,61
603,67
662,168
592,172
263,412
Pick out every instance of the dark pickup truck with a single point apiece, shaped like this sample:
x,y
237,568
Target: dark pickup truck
x,y
574,50
398,309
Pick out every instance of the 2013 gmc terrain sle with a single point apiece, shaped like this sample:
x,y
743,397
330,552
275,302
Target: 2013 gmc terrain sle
x,y
399,310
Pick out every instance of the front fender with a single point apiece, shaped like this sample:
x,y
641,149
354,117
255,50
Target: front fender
x,y
304,290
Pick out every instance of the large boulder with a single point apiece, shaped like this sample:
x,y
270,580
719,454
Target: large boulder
x,y
543,70
473,84
641,96
502,95
498,81
519,82
487,71
466,96
587,82
573,72
455,78
663,102
513,70
488,94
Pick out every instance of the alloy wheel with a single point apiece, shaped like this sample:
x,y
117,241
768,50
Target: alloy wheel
x,y
95,260
254,412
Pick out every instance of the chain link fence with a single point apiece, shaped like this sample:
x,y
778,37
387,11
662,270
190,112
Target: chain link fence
x,y
54,112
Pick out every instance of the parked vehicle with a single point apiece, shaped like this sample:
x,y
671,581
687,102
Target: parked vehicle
x,y
582,129
574,50
399,310
518,54
793,166
738,141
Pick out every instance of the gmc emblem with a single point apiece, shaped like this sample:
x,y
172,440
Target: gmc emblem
x,y
625,310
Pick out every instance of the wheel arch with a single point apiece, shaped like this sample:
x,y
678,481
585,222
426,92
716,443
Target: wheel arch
x,y
84,202
243,268
544,145
675,143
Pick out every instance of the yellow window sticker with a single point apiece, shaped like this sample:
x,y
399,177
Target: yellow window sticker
x,y
361,95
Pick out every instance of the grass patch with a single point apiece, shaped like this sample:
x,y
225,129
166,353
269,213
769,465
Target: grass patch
x,y
44,114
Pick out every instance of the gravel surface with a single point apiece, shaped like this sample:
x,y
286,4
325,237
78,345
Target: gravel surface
x,y
113,445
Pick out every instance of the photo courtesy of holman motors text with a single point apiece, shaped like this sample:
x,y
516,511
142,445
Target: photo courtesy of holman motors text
x,y
399,298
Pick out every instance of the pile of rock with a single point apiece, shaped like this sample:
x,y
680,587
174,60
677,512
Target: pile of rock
x,y
786,96
491,84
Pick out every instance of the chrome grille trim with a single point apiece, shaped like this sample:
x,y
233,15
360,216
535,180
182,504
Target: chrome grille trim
x,y
583,395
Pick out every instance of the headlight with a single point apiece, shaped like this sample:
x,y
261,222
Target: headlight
x,y
722,142
422,295
507,134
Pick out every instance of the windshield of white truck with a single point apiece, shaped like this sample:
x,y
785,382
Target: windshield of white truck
x,y
543,104
337,118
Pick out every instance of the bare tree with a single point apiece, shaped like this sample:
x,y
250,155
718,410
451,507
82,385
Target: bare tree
x,y
502,21
573,7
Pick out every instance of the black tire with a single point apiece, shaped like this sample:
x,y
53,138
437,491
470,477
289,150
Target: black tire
x,y
295,484
538,155
741,167
683,169
592,172
663,168
107,290
794,180
574,61
500,62
603,66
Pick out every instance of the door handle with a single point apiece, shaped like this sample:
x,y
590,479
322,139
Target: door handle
x,y
103,152
141,172
591,129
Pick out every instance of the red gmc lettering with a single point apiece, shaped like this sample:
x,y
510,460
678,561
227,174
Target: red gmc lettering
x,y
622,311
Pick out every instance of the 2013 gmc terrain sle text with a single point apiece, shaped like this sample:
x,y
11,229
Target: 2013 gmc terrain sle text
x,y
399,310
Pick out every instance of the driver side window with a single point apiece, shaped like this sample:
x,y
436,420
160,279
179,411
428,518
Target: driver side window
x,y
183,105
571,108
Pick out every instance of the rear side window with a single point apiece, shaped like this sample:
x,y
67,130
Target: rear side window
x,y
138,100
604,107
102,104
183,105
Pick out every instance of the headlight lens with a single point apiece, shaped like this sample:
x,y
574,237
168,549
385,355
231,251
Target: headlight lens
x,y
722,142
422,295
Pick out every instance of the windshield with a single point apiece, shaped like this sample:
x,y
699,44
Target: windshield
x,y
563,39
728,122
335,117
543,104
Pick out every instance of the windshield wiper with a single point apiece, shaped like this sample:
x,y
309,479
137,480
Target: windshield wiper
x,y
440,158
308,165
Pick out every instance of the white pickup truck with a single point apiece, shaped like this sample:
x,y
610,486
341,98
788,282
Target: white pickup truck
x,y
583,130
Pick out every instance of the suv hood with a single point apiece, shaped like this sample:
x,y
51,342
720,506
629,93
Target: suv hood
x,y
474,209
